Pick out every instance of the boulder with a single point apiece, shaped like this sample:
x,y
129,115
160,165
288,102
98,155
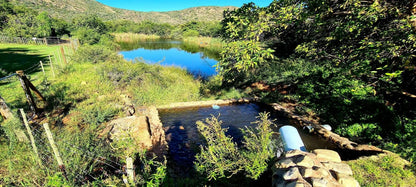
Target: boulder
x,y
324,155
338,167
132,128
285,163
292,174
305,161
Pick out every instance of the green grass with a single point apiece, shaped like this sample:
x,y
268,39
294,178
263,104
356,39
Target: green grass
x,y
383,170
92,94
25,57
21,56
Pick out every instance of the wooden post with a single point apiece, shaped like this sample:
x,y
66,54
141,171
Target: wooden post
x,y
4,109
55,149
33,88
32,140
58,58
72,46
46,41
130,170
50,63
41,65
29,96
63,54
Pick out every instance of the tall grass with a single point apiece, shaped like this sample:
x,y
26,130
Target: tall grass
x,y
205,42
133,37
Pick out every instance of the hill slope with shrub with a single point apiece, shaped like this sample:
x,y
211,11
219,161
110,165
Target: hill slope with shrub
x,y
69,9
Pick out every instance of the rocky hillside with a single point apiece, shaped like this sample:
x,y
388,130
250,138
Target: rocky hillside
x,y
67,9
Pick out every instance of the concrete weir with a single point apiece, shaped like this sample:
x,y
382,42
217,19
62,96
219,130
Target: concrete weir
x,y
205,103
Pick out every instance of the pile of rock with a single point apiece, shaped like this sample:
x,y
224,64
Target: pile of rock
x,y
320,168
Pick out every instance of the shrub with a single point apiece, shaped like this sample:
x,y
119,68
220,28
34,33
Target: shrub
x,y
259,146
190,33
222,158
94,54
151,171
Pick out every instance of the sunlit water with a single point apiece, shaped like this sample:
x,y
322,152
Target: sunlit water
x,y
173,53
184,140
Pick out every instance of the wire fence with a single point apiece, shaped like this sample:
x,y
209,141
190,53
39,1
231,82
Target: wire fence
x,y
33,40
83,161
56,61
82,166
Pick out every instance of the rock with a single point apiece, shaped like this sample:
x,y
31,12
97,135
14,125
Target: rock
x,y
292,174
318,182
295,184
338,167
347,180
323,172
277,177
305,161
285,163
308,173
132,127
325,155
316,172
293,153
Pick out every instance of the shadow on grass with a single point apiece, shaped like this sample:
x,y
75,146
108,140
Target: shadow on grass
x,y
13,59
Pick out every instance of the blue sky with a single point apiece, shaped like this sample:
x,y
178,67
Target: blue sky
x,y
166,5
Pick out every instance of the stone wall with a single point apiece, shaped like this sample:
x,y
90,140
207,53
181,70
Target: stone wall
x,y
322,167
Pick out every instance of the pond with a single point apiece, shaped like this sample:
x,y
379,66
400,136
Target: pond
x,y
184,139
198,61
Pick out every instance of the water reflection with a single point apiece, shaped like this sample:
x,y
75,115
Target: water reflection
x,y
198,61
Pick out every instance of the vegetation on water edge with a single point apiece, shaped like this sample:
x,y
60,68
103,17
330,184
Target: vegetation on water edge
x,y
221,157
133,37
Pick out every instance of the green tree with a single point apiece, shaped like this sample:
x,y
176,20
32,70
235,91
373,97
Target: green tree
x,y
44,25
351,61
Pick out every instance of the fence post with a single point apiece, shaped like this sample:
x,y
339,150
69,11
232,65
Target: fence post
x,y
55,149
41,65
32,140
130,170
4,109
63,55
50,63
29,96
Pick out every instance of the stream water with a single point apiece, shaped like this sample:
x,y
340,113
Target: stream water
x,y
184,139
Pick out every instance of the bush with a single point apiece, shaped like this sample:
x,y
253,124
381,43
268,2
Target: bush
x,y
94,54
190,33
222,158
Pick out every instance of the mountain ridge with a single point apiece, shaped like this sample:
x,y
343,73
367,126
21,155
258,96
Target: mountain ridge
x,y
68,9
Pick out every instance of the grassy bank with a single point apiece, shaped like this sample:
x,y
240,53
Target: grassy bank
x,y
94,88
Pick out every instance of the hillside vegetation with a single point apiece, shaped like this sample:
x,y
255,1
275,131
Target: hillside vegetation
x,y
68,9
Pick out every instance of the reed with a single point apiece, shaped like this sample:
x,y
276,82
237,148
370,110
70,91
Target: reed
x,y
133,37
205,42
